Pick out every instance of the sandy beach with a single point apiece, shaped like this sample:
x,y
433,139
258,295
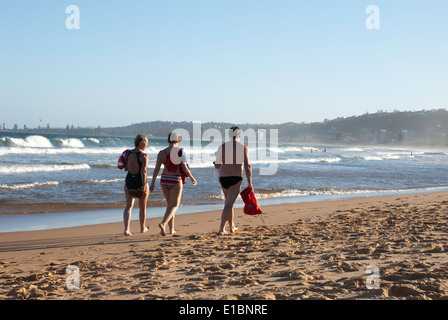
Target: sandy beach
x,y
316,250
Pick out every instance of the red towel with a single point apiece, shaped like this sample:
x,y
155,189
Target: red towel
x,y
251,206
121,163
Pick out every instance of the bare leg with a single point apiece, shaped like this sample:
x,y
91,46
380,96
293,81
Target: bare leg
x,y
142,205
227,213
127,212
171,224
166,193
172,196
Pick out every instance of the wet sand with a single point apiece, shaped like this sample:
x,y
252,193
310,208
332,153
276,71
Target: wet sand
x,y
316,251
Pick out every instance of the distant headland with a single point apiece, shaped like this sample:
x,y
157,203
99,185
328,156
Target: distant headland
x,y
425,127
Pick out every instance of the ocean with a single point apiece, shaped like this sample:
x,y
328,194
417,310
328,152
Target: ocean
x,y
80,173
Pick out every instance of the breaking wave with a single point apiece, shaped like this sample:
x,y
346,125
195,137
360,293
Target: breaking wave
x,y
42,168
29,185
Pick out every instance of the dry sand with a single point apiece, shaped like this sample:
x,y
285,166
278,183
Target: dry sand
x,y
305,251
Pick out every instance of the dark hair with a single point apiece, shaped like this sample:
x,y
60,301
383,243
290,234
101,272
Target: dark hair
x,y
139,138
234,134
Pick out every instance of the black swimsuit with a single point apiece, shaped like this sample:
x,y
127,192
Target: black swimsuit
x,y
134,181
227,182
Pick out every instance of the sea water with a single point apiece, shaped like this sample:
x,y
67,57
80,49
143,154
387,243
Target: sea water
x,y
80,172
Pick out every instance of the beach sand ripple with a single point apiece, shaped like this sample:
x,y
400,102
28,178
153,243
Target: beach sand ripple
x,y
321,257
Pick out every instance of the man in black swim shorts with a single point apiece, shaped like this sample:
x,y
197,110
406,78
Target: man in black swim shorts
x,y
230,158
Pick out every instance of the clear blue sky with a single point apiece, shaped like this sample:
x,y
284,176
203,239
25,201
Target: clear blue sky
x,y
255,61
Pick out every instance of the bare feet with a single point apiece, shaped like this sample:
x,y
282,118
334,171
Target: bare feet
x,y
145,229
127,233
162,229
222,233
234,229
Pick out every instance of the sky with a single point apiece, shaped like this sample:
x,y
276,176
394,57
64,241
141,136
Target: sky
x,y
237,61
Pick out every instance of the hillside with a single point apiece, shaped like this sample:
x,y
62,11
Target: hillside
x,y
426,127
416,127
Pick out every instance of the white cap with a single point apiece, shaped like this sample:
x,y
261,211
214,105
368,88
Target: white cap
x,y
174,137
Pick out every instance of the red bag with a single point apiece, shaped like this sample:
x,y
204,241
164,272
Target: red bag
x,y
251,206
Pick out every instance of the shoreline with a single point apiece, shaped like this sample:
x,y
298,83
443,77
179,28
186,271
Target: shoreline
x,y
73,216
309,250
38,208
274,214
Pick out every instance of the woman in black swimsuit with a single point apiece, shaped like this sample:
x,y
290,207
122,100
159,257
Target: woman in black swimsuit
x,y
136,165
229,160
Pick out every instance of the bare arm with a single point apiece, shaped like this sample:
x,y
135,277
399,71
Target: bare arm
x,y
188,173
247,166
156,172
144,169
218,161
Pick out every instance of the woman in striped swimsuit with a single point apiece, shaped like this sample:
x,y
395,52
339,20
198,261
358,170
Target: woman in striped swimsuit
x,y
171,182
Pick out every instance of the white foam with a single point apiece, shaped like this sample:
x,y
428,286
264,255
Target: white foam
x,y
105,181
297,193
94,140
69,148
73,150
32,141
71,143
276,150
323,192
298,160
372,158
294,149
29,185
42,168
353,149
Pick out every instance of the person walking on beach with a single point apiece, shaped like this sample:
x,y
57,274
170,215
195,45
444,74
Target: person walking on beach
x,y
172,179
136,184
230,158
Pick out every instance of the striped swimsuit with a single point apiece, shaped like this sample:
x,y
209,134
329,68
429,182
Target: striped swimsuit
x,y
170,180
